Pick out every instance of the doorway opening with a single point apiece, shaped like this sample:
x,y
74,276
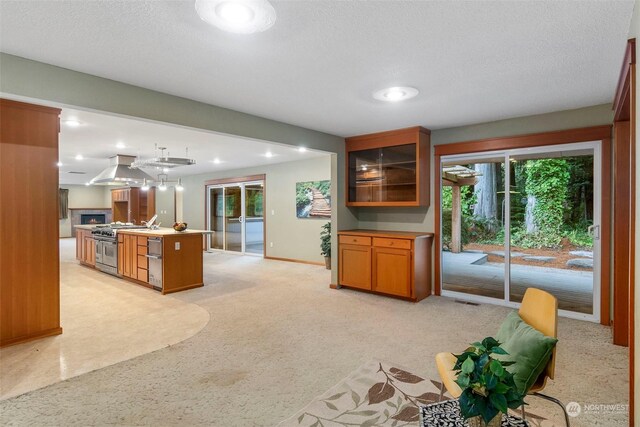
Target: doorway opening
x,y
235,214
520,218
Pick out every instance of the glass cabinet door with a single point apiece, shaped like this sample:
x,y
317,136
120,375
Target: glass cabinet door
x,y
386,174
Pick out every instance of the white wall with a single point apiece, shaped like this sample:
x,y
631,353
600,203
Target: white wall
x,y
165,207
292,238
83,197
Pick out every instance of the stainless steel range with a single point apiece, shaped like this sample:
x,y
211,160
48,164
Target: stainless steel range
x,y
106,238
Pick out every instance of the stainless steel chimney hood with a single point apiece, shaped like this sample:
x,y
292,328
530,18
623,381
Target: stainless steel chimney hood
x,y
120,173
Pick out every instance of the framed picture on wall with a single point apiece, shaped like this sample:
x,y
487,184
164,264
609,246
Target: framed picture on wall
x,y
313,199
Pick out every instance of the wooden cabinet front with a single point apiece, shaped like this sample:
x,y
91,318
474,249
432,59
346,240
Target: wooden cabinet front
x,y
355,266
392,271
386,262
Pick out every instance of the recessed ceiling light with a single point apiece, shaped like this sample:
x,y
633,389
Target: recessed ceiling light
x,y
120,145
268,154
87,183
216,161
237,16
165,170
395,94
302,149
72,123
59,164
79,157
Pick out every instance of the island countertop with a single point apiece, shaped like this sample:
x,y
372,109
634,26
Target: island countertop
x,y
161,232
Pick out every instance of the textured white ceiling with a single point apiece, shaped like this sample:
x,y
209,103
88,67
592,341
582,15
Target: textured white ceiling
x,y
97,137
318,65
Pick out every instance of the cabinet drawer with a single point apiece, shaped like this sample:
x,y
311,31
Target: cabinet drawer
x,y
355,240
142,275
142,241
391,243
143,262
142,250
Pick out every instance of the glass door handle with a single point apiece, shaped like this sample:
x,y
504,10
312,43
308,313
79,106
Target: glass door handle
x,y
240,218
594,231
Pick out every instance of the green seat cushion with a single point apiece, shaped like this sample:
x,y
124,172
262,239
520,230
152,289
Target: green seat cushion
x,y
508,327
528,347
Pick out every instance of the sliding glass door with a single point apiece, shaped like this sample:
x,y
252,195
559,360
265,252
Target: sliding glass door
x,y
235,215
523,218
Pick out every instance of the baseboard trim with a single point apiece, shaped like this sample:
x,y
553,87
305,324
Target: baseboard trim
x,y
299,261
31,337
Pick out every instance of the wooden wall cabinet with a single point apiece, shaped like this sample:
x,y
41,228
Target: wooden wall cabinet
x,y
389,168
85,247
386,262
29,249
132,204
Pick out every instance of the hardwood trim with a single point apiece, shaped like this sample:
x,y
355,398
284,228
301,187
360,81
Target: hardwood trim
x,y
184,288
30,337
235,180
371,291
569,136
299,261
632,271
24,105
89,209
622,98
334,286
594,133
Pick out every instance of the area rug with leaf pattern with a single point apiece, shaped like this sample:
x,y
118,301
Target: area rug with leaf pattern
x,y
376,394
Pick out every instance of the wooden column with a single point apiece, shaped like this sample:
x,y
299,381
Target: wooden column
x,y
456,220
29,251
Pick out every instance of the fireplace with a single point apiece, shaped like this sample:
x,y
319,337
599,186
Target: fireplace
x,y
90,219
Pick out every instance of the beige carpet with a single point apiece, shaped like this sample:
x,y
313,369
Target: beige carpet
x,y
279,337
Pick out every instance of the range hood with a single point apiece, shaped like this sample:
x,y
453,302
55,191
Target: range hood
x,y
119,172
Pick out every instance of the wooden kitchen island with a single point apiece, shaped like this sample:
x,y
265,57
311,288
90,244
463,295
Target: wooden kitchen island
x,y
163,259
180,258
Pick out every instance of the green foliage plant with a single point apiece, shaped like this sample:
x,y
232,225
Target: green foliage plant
x,y
325,240
547,180
487,387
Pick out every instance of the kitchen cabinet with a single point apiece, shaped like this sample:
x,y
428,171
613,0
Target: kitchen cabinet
x,y
386,262
85,247
132,251
132,204
389,168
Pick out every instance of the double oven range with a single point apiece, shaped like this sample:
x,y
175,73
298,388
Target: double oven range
x,y
106,238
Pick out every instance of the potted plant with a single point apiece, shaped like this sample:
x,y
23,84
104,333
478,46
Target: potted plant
x,y
488,389
325,244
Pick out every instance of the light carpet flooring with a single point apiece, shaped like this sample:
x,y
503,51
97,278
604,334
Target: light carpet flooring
x,y
278,337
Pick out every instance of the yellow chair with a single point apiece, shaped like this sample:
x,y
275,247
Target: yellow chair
x,y
539,309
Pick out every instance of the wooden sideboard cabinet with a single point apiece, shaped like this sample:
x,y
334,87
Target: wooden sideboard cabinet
x,y
386,262
389,168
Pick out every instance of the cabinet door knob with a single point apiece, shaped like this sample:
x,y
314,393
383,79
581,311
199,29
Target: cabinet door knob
x,y
391,244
